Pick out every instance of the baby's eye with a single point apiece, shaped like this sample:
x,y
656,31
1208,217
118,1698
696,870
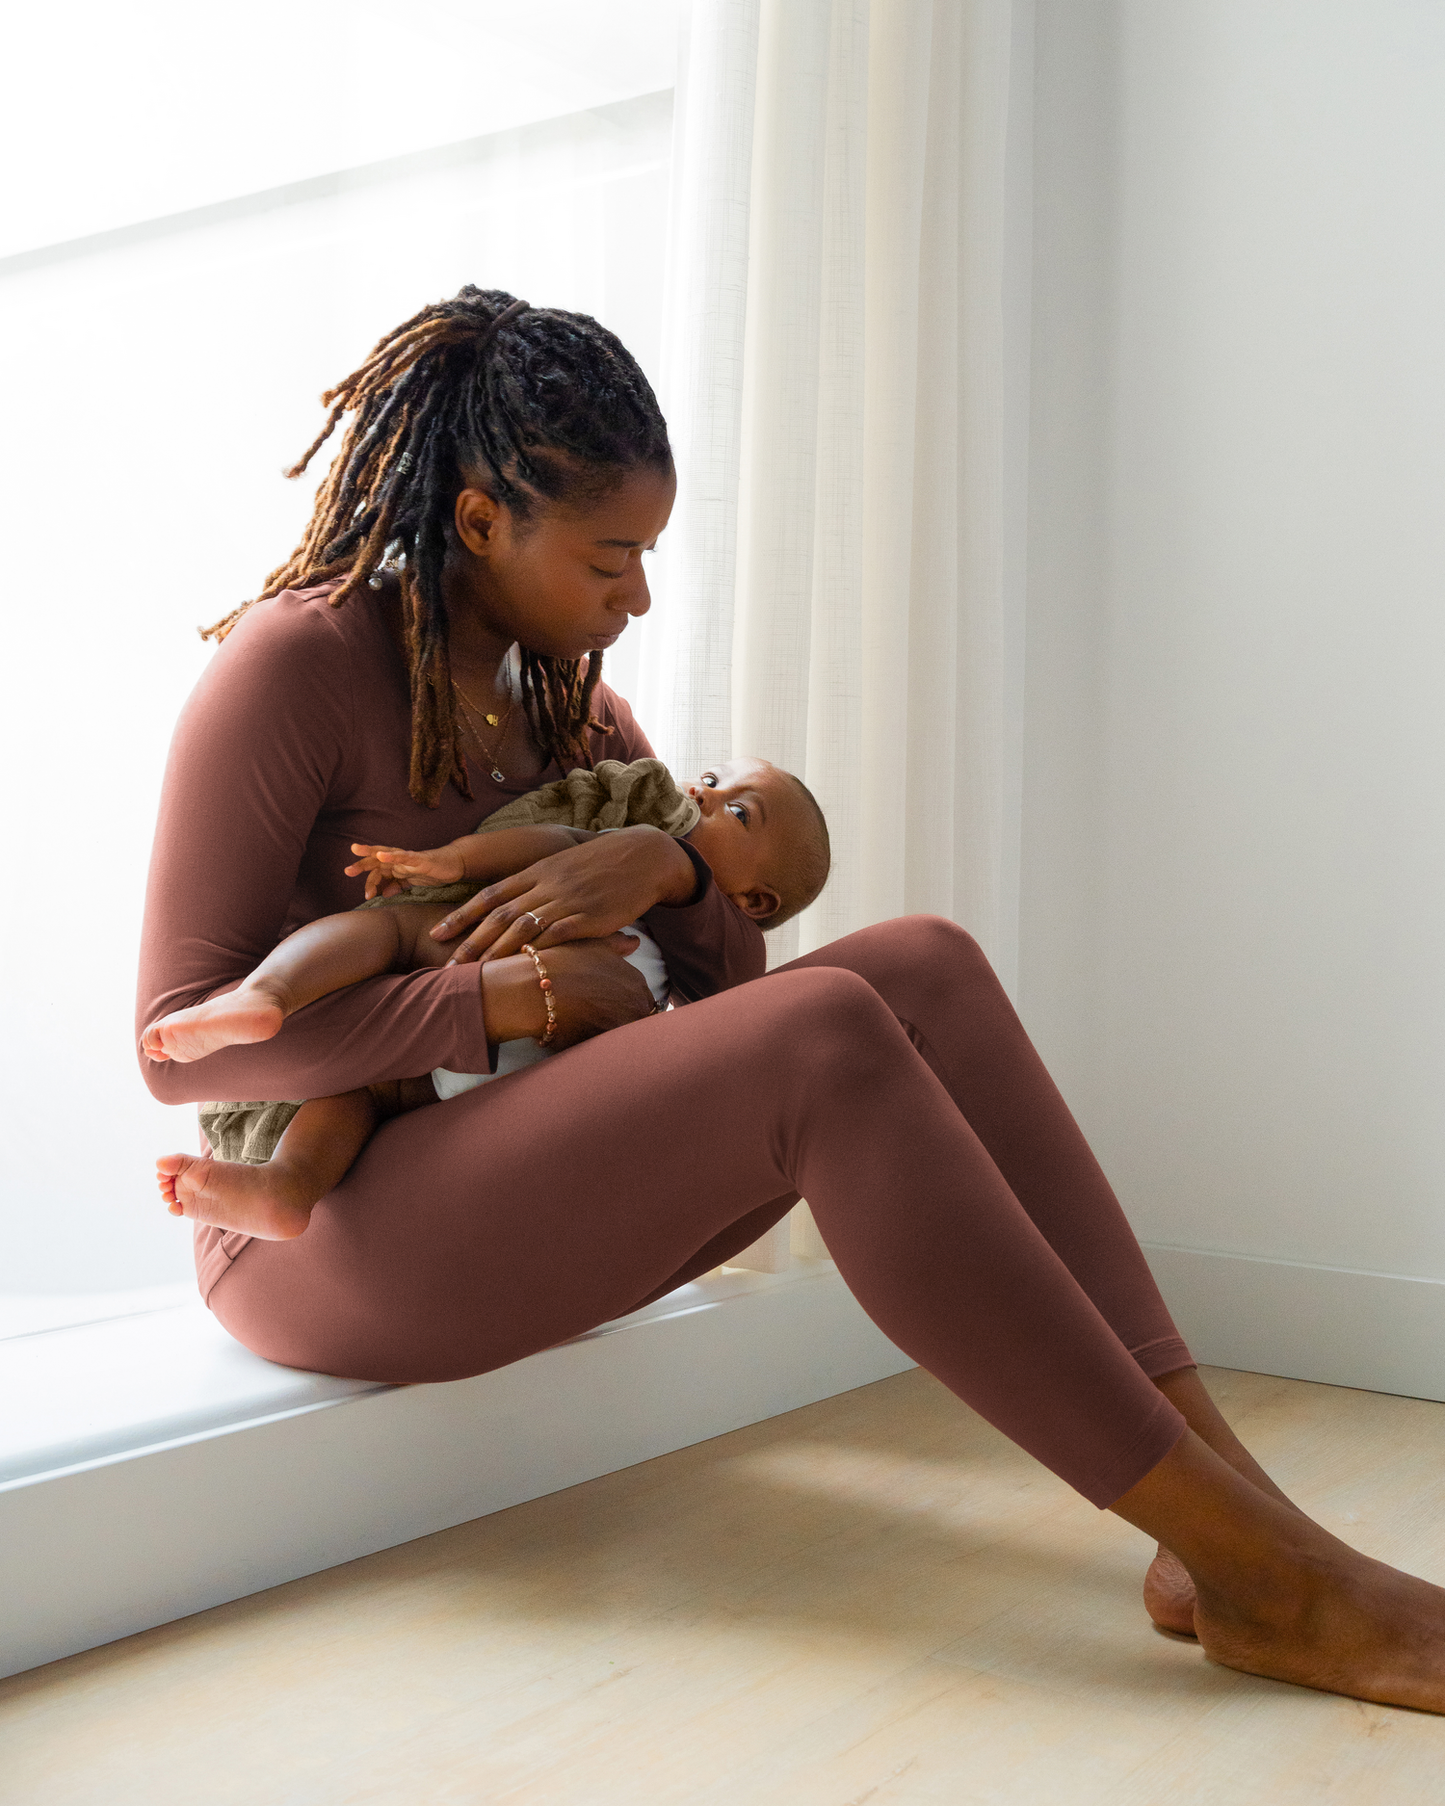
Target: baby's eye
x,y
710,779
740,810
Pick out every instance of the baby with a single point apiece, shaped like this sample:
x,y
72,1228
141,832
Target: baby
x,y
758,828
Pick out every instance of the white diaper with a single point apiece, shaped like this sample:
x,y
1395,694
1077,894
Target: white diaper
x,y
513,1056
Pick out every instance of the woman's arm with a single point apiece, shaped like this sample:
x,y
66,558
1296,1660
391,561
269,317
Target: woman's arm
x,y
255,754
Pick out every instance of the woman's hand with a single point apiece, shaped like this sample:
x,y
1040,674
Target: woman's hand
x,y
577,894
593,989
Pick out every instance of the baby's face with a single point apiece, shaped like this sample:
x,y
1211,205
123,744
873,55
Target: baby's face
x,y
748,809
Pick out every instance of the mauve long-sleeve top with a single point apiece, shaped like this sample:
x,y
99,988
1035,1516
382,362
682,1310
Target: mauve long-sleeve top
x,y
295,743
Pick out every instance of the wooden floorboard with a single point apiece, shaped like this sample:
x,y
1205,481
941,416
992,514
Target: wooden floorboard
x,y
873,1599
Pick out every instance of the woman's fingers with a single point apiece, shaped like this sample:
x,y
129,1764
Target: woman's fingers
x,y
511,927
467,914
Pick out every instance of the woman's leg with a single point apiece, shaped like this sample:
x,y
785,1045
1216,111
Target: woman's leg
x,y
936,980
474,1233
492,1226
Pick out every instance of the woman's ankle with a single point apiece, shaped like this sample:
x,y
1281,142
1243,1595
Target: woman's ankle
x,y
1229,1533
1187,1392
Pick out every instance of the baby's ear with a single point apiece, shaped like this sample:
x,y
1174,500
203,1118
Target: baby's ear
x,y
759,904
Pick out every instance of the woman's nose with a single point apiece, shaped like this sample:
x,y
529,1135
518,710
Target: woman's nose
x,y
637,598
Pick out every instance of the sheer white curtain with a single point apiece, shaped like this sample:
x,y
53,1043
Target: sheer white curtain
x,y
845,370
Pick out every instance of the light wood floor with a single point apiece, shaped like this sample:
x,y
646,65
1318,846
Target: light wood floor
x,y
875,1599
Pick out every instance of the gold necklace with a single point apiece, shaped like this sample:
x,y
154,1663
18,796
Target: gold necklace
x,y
498,776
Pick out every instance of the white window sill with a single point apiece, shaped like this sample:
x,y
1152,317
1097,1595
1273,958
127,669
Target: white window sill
x,y
150,1467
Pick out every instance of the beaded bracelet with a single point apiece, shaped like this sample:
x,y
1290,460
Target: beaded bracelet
x,y
546,984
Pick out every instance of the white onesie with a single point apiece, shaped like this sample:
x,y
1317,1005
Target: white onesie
x,y
513,1056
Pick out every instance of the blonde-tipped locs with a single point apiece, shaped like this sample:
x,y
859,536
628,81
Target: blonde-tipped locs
x,y
531,403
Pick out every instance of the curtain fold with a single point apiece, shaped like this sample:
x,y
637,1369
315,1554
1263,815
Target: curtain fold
x,y
838,593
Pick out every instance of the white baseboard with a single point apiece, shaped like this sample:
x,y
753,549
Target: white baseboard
x,y
117,1545
1374,1331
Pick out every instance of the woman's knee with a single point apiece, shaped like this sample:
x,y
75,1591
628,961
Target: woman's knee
x,y
937,939
929,947
834,1021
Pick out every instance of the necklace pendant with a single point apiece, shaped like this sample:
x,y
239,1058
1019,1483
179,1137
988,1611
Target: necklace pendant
x,y
493,720
497,776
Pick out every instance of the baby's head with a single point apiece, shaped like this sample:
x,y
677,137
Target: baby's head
x,y
763,836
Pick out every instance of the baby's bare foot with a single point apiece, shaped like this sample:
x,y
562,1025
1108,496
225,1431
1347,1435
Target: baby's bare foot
x,y
257,1200
239,1016
1344,1624
1169,1594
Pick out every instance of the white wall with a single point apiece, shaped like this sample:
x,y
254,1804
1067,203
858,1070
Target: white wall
x,y
1233,939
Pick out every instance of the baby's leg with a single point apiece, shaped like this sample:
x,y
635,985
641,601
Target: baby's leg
x,y
273,1201
324,956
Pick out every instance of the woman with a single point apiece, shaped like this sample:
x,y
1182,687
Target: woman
x,y
433,647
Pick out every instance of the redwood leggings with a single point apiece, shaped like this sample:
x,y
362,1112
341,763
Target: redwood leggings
x,y
885,1078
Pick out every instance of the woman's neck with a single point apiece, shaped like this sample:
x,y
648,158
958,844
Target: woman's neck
x,y
481,658
483,669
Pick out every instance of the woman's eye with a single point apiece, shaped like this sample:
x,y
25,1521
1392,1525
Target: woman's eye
x,y
740,810
599,572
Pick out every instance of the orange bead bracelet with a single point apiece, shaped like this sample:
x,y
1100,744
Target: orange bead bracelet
x,y
544,979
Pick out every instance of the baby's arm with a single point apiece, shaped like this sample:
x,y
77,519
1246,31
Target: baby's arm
x,y
474,859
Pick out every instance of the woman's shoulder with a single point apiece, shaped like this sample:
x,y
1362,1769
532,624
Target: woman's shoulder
x,y
300,640
296,669
309,621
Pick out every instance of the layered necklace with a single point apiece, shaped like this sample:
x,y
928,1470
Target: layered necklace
x,y
476,716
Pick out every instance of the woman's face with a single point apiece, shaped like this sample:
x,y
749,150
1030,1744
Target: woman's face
x,y
568,580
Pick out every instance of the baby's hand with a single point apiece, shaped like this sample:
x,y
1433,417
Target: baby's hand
x,y
391,870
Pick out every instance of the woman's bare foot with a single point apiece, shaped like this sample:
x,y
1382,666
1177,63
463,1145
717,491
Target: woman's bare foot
x,y
226,1021
1341,1623
1169,1594
1278,1596
1168,1590
264,1201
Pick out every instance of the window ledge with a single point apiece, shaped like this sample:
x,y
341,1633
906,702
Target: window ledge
x,y
150,1467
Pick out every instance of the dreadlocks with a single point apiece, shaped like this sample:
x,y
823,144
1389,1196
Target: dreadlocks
x,y
529,403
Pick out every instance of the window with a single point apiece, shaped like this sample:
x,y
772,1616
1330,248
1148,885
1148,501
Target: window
x,y
219,215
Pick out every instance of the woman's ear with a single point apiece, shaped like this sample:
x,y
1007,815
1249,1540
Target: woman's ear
x,y
476,516
759,904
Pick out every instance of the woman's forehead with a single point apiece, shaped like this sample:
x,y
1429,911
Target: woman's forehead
x,y
632,514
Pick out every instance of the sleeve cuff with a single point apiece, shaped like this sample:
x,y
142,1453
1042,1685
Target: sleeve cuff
x,y
479,1053
703,872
